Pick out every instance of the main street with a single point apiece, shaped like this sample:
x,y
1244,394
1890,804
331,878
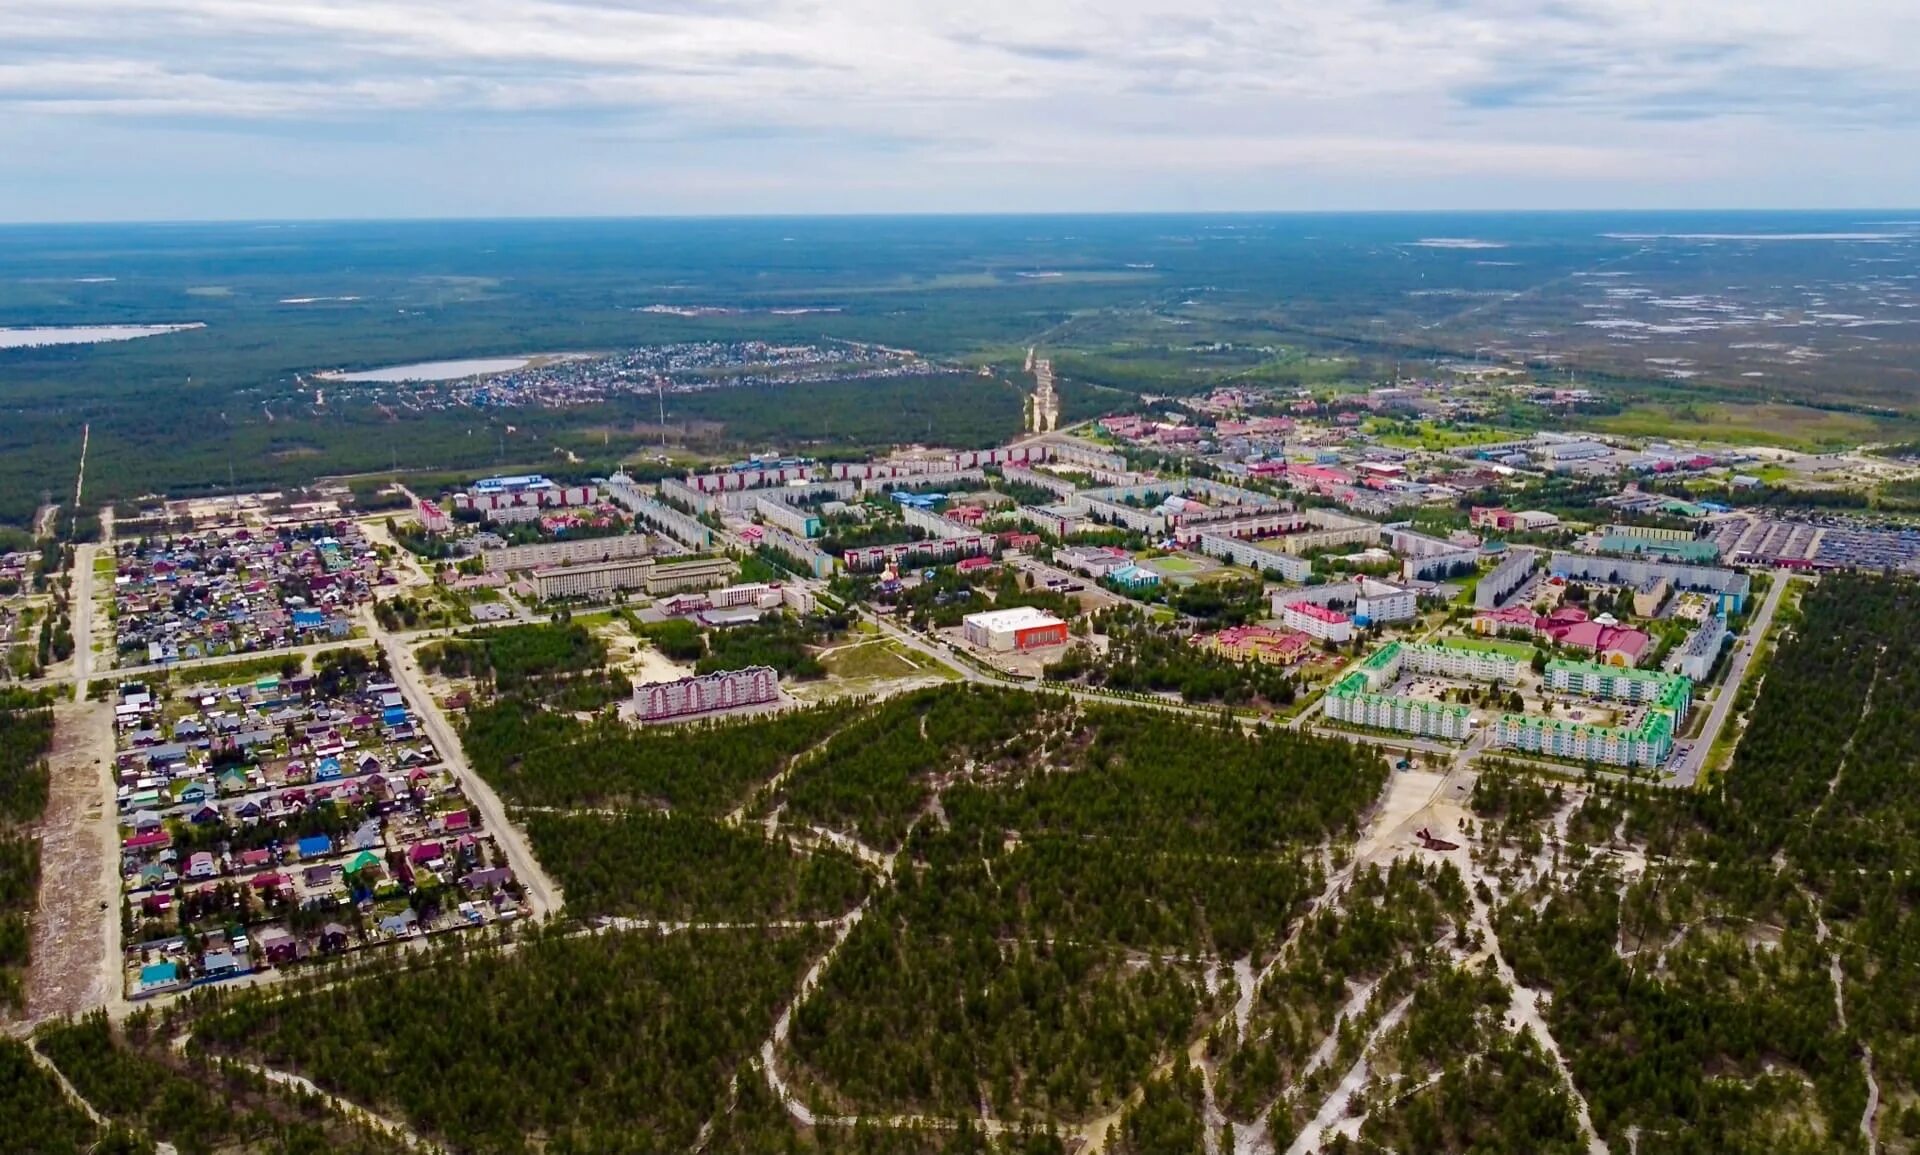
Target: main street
x,y
542,895
1686,770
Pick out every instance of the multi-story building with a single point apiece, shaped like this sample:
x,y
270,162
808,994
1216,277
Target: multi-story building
x,y
1254,556
1257,644
433,519
1465,662
802,552
706,694
698,574
1378,602
1671,693
757,594
1350,701
1372,601
1503,579
1646,744
688,531
1728,587
1650,595
873,557
570,552
1317,622
594,580
1059,520
779,514
1696,656
511,499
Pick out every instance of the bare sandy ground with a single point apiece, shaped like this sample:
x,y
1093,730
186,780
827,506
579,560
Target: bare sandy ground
x,y
76,934
650,666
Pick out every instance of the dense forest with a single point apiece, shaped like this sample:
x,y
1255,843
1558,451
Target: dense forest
x,y
150,1090
39,1116
911,1021
1481,1086
512,655
537,758
780,642
871,778
1753,989
679,867
1388,929
608,1042
1042,952
759,1124
26,735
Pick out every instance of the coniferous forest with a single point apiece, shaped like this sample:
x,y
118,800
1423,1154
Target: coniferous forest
x,y
971,919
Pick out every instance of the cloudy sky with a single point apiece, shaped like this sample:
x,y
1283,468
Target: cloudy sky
x,y
177,109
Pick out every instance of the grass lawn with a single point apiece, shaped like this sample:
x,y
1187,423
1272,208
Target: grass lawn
x,y
1789,426
880,660
1172,564
1511,649
1432,437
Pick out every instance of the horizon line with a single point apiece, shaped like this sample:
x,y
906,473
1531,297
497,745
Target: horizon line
x,y
1058,214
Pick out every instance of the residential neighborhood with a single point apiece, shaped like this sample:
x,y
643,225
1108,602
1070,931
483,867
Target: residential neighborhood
x,y
281,818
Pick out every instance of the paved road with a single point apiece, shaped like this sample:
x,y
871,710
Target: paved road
x,y
542,895
1687,769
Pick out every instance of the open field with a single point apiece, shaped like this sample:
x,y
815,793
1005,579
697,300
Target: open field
x,y
1788,426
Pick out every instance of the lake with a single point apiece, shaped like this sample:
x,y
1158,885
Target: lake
x,y
451,370
35,337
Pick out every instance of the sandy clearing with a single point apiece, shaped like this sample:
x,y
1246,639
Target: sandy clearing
x,y
76,933
651,667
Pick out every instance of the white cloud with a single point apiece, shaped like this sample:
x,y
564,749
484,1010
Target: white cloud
x,y
1126,90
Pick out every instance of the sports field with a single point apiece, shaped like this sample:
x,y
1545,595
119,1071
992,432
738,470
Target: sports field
x,y
1175,564
1512,649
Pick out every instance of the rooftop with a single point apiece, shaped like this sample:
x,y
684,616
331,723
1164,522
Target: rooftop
x,y
1016,618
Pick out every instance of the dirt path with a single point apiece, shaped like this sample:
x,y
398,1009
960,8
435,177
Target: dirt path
x,y
1333,1113
66,1086
334,1103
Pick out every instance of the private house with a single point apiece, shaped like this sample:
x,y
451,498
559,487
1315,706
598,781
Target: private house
x,y
277,945
490,879
402,924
